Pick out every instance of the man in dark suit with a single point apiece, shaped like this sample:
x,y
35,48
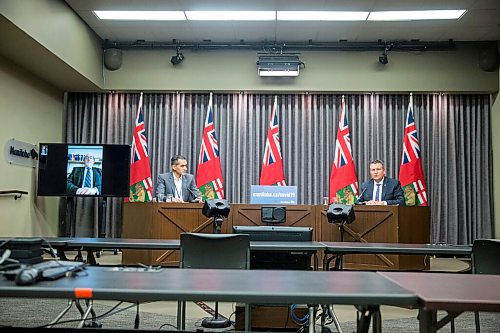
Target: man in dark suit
x,y
178,183
85,180
381,190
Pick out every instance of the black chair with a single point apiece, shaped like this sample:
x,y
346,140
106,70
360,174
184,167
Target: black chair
x,y
485,261
213,251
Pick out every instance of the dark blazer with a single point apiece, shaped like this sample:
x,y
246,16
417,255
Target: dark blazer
x,y
75,179
165,185
392,193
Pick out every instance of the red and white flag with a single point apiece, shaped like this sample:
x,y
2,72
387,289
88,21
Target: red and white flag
x,y
343,179
411,174
272,164
209,173
141,186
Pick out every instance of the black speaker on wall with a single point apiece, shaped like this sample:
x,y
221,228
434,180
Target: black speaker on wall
x,y
113,59
488,59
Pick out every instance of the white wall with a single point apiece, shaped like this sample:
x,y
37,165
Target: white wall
x,y
30,111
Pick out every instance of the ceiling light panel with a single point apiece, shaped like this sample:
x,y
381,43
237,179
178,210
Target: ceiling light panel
x,y
231,15
412,15
321,16
140,15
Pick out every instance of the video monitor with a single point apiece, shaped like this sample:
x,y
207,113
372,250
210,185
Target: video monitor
x,y
83,170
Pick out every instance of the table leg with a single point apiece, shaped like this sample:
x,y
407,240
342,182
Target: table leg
x,y
248,317
377,320
427,320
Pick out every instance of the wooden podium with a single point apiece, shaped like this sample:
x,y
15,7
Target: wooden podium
x,y
381,224
161,220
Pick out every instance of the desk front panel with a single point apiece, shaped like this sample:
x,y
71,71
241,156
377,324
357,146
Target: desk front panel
x,y
161,221
381,224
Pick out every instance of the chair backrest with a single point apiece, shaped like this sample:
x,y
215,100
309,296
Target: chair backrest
x,y
485,254
217,251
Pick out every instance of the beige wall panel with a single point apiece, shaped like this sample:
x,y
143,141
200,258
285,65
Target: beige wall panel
x,y
55,26
31,111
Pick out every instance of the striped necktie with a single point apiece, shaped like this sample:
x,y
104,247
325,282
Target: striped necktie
x,y
377,193
88,181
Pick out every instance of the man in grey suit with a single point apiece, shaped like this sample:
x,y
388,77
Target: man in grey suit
x,y
381,190
178,183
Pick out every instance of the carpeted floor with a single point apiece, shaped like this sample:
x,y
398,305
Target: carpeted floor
x,y
33,313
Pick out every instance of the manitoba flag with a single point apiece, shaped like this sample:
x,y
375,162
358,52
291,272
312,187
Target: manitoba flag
x,y
411,174
272,164
343,180
209,172
141,187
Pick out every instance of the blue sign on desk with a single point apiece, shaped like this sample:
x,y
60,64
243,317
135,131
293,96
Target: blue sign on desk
x,y
284,195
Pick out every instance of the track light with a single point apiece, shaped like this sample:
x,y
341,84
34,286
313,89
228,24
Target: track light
x,y
383,58
178,58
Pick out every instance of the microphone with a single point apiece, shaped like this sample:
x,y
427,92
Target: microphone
x,y
28,276
361,195
194,194
5,255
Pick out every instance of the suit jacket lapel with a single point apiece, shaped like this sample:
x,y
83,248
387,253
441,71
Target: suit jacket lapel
x,y
369,189
170,183
385,188
79,177
184,186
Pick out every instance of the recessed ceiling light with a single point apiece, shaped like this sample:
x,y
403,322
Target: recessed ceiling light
x,y
140,15
411,15
231,15
321,16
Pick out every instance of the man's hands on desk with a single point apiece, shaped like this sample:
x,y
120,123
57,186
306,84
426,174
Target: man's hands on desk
x,y
373,202
87,191
179,200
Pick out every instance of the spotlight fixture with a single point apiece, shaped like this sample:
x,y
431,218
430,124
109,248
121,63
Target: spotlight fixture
x,y
178,58
383,58
279,65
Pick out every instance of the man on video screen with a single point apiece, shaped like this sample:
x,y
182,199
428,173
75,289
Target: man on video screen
x,y
86,180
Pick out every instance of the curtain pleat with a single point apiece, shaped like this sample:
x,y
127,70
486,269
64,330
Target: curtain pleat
x,y
454,133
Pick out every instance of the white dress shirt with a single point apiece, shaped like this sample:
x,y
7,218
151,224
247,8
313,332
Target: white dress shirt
x,y
178,187
375,189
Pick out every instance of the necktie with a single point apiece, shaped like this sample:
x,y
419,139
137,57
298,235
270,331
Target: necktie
x,y
88,181
377,193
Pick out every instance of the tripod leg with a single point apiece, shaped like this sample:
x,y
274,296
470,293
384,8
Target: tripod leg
x,y
335,319
312,317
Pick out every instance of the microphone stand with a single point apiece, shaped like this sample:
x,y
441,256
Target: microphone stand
x,y
195,195
360,196
217,224
338,260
